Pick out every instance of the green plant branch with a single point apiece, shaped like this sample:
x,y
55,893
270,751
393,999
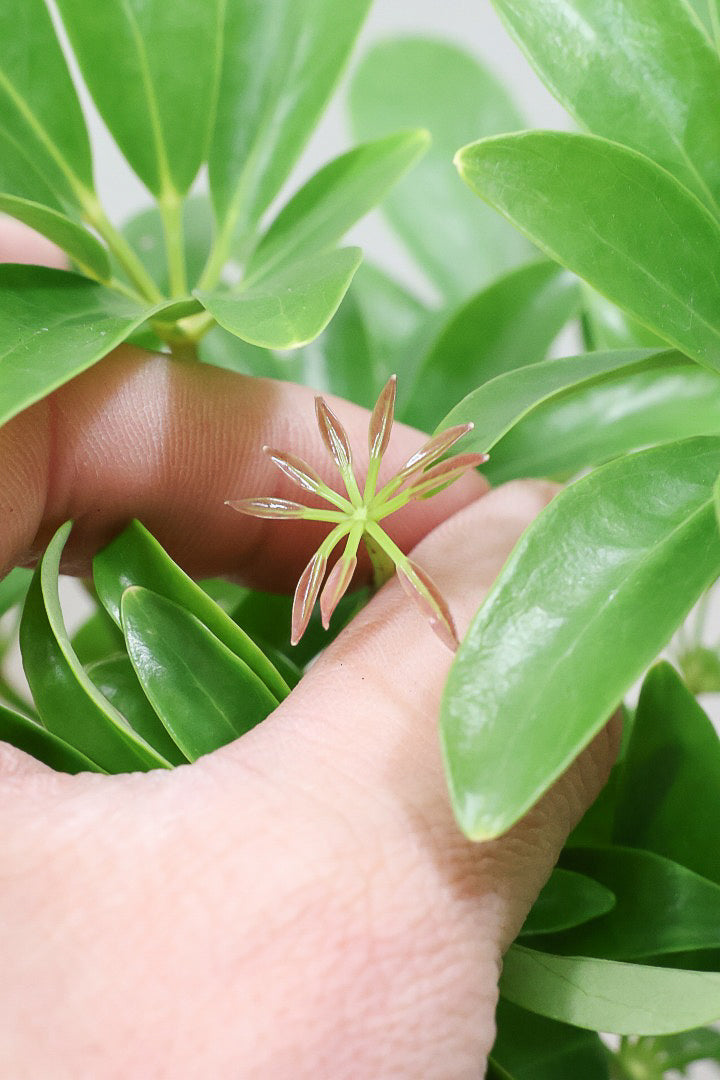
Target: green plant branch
x,y
121,249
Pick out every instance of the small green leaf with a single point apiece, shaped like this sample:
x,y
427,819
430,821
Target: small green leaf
x,y
617,220
31,737
510,324
291,308
145,234
97,638
13,588
203,693
572,621
566,900
669,786
68,702
604,995
89,254
417,82
531,1047
136,558
152,68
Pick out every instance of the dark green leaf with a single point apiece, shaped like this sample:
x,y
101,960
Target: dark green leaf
x,y
89,254
531,1047
68,702
616,219
146,235
203,693
13,588
567,899
572,621
416,82
604,995
28,735
641,72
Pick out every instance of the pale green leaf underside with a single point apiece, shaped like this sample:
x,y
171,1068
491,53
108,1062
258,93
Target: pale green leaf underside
x,y
89,254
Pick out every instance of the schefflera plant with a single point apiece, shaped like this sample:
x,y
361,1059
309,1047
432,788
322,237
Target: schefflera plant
x,y
233,85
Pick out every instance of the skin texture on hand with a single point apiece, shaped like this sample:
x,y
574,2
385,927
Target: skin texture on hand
x,y
301,903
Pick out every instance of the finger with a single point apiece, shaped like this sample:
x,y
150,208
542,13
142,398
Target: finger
x,y
142,436
20,244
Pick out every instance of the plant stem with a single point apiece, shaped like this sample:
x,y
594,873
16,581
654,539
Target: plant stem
x,y
118,245
382,564
171,212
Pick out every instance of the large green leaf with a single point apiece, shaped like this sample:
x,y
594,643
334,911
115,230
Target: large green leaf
x,y
70,705
604,995
41,123
89,254
136,558
618,220
146,235
281,61
531,1047
641,72
588,425
567,899
290,308
337,196
417,82
31,737
510,324
152,68
573,619
669,788
204,694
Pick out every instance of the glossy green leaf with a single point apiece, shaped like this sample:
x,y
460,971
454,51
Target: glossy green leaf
x,y
145,233
290,308
42,128
31,737
617,220
225,593
417,82
496,406
136,558
604,995
588,425
89,254
203,693
68,702
13,588
508,325
567,899
641,72
97,638
531,1047
152,68
670,784
281,60
115,678
337,196
573,619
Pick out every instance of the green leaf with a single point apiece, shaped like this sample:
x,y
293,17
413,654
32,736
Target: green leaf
x,y
203,693
604,995
496,406
617,220
115,678
27,735
152,68
661,907
641,72
670,784
531,1047
337,196
281,61
605,326
417,82
136,558
510,324
42,130
146,235
89,254
13,588
290,308
573,619
97,638
68,702
567,899
588,425
680,1050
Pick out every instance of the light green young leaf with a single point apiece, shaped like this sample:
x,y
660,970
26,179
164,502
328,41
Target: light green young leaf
x,y
145,234
418,82
291,308
152,68
204,694
531,1047
89,254
572,621
41,123
70,705
617,220
508,325
31,737
641,72
337,196
604,995
567,899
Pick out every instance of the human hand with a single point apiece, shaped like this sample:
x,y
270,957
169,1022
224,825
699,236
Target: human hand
x,y
300,903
